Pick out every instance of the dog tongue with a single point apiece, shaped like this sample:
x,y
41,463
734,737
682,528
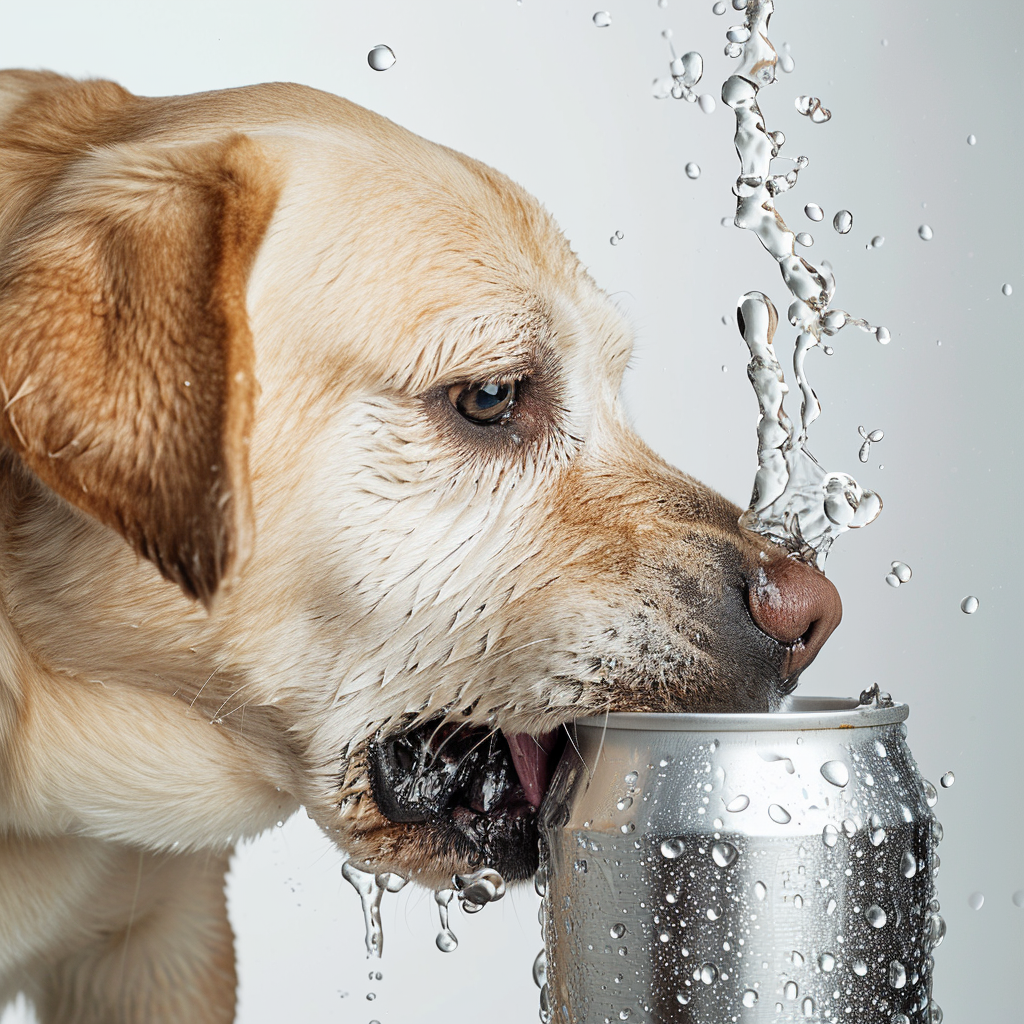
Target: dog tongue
x,y
532,757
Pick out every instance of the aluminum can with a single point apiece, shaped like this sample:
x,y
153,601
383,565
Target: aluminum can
x,y
741,867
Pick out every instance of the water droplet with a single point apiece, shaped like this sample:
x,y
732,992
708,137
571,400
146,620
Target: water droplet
x,y
616,238
808,1006
875,916
877,836
381,57
810,106
798,901
1007,289
936,1011
935,925
446,940
631,778
733,49
902,571
925,232
749,998
760,890
814,211
850,827
602,19
796,958
860,968
931,794
830,835
737,34
1018,898
792,990
976,900
908,864
947,780
882,335
707,103
724,854
540,969
843,221
714,912
827,962
627,827
897,974
892,579
719,8
708,973
725,369
779,814
804,238
692,170
371,996
738,803
969,605
624,1013
672,848
617,931
837,773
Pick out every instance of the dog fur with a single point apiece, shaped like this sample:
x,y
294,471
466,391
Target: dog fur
x,y
244,529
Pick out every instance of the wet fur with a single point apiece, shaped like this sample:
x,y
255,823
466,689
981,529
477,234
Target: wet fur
x,y
242,527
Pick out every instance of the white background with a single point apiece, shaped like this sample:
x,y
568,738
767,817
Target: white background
x,y
566,108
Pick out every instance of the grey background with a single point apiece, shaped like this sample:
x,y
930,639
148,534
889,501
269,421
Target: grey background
x,y
566,109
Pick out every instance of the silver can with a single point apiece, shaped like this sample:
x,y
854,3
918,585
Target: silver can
x,y
741,867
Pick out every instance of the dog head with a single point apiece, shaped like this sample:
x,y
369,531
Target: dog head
x,y
354,394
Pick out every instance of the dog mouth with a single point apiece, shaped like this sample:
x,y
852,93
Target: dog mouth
x,y
477,790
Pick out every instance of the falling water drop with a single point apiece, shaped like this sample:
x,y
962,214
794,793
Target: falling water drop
x,y
972,140
947,780
718,8
843,221
814,211
733,49
805,238
381,57
707,103
692,170
878,241
901,571
602,19
1018,898
446,940
925,232
738,34
976,900
1007,289
969,605
882,335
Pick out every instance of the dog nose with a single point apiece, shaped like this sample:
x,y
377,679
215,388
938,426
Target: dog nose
x,y
797,606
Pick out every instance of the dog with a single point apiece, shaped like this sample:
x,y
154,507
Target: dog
x,y
315,490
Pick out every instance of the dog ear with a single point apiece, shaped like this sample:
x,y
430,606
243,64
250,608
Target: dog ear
x,y
126,359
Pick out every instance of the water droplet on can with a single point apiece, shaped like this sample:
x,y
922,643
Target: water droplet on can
x,y
1007,289
381,57
947,780
749,998
908,864
860,968
738,803
830,835
897,974
808,1006
779,814
843,221
692,170
969,605
791,990
976,900
672,848
724,854
708,973
827,962
814,211
875,916
925,232
931,794
835,772
540,969
602,19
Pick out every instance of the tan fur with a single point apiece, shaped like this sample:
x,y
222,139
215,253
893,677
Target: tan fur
x,y
229,324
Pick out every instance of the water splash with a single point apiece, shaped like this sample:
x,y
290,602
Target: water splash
x,y
370,888
795,501
446,940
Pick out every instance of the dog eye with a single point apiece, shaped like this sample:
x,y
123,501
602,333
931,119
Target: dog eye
x,y
483,403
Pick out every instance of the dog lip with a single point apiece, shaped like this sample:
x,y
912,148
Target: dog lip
x,y
532,758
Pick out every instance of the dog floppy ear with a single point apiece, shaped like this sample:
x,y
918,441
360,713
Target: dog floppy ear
x,y
126,359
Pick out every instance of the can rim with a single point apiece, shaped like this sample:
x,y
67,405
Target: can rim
x,y
798,713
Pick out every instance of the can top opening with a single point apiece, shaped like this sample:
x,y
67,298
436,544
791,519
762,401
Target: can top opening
x,y
797,713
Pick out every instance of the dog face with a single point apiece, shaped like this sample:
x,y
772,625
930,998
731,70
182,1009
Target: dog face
x,y
353,392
